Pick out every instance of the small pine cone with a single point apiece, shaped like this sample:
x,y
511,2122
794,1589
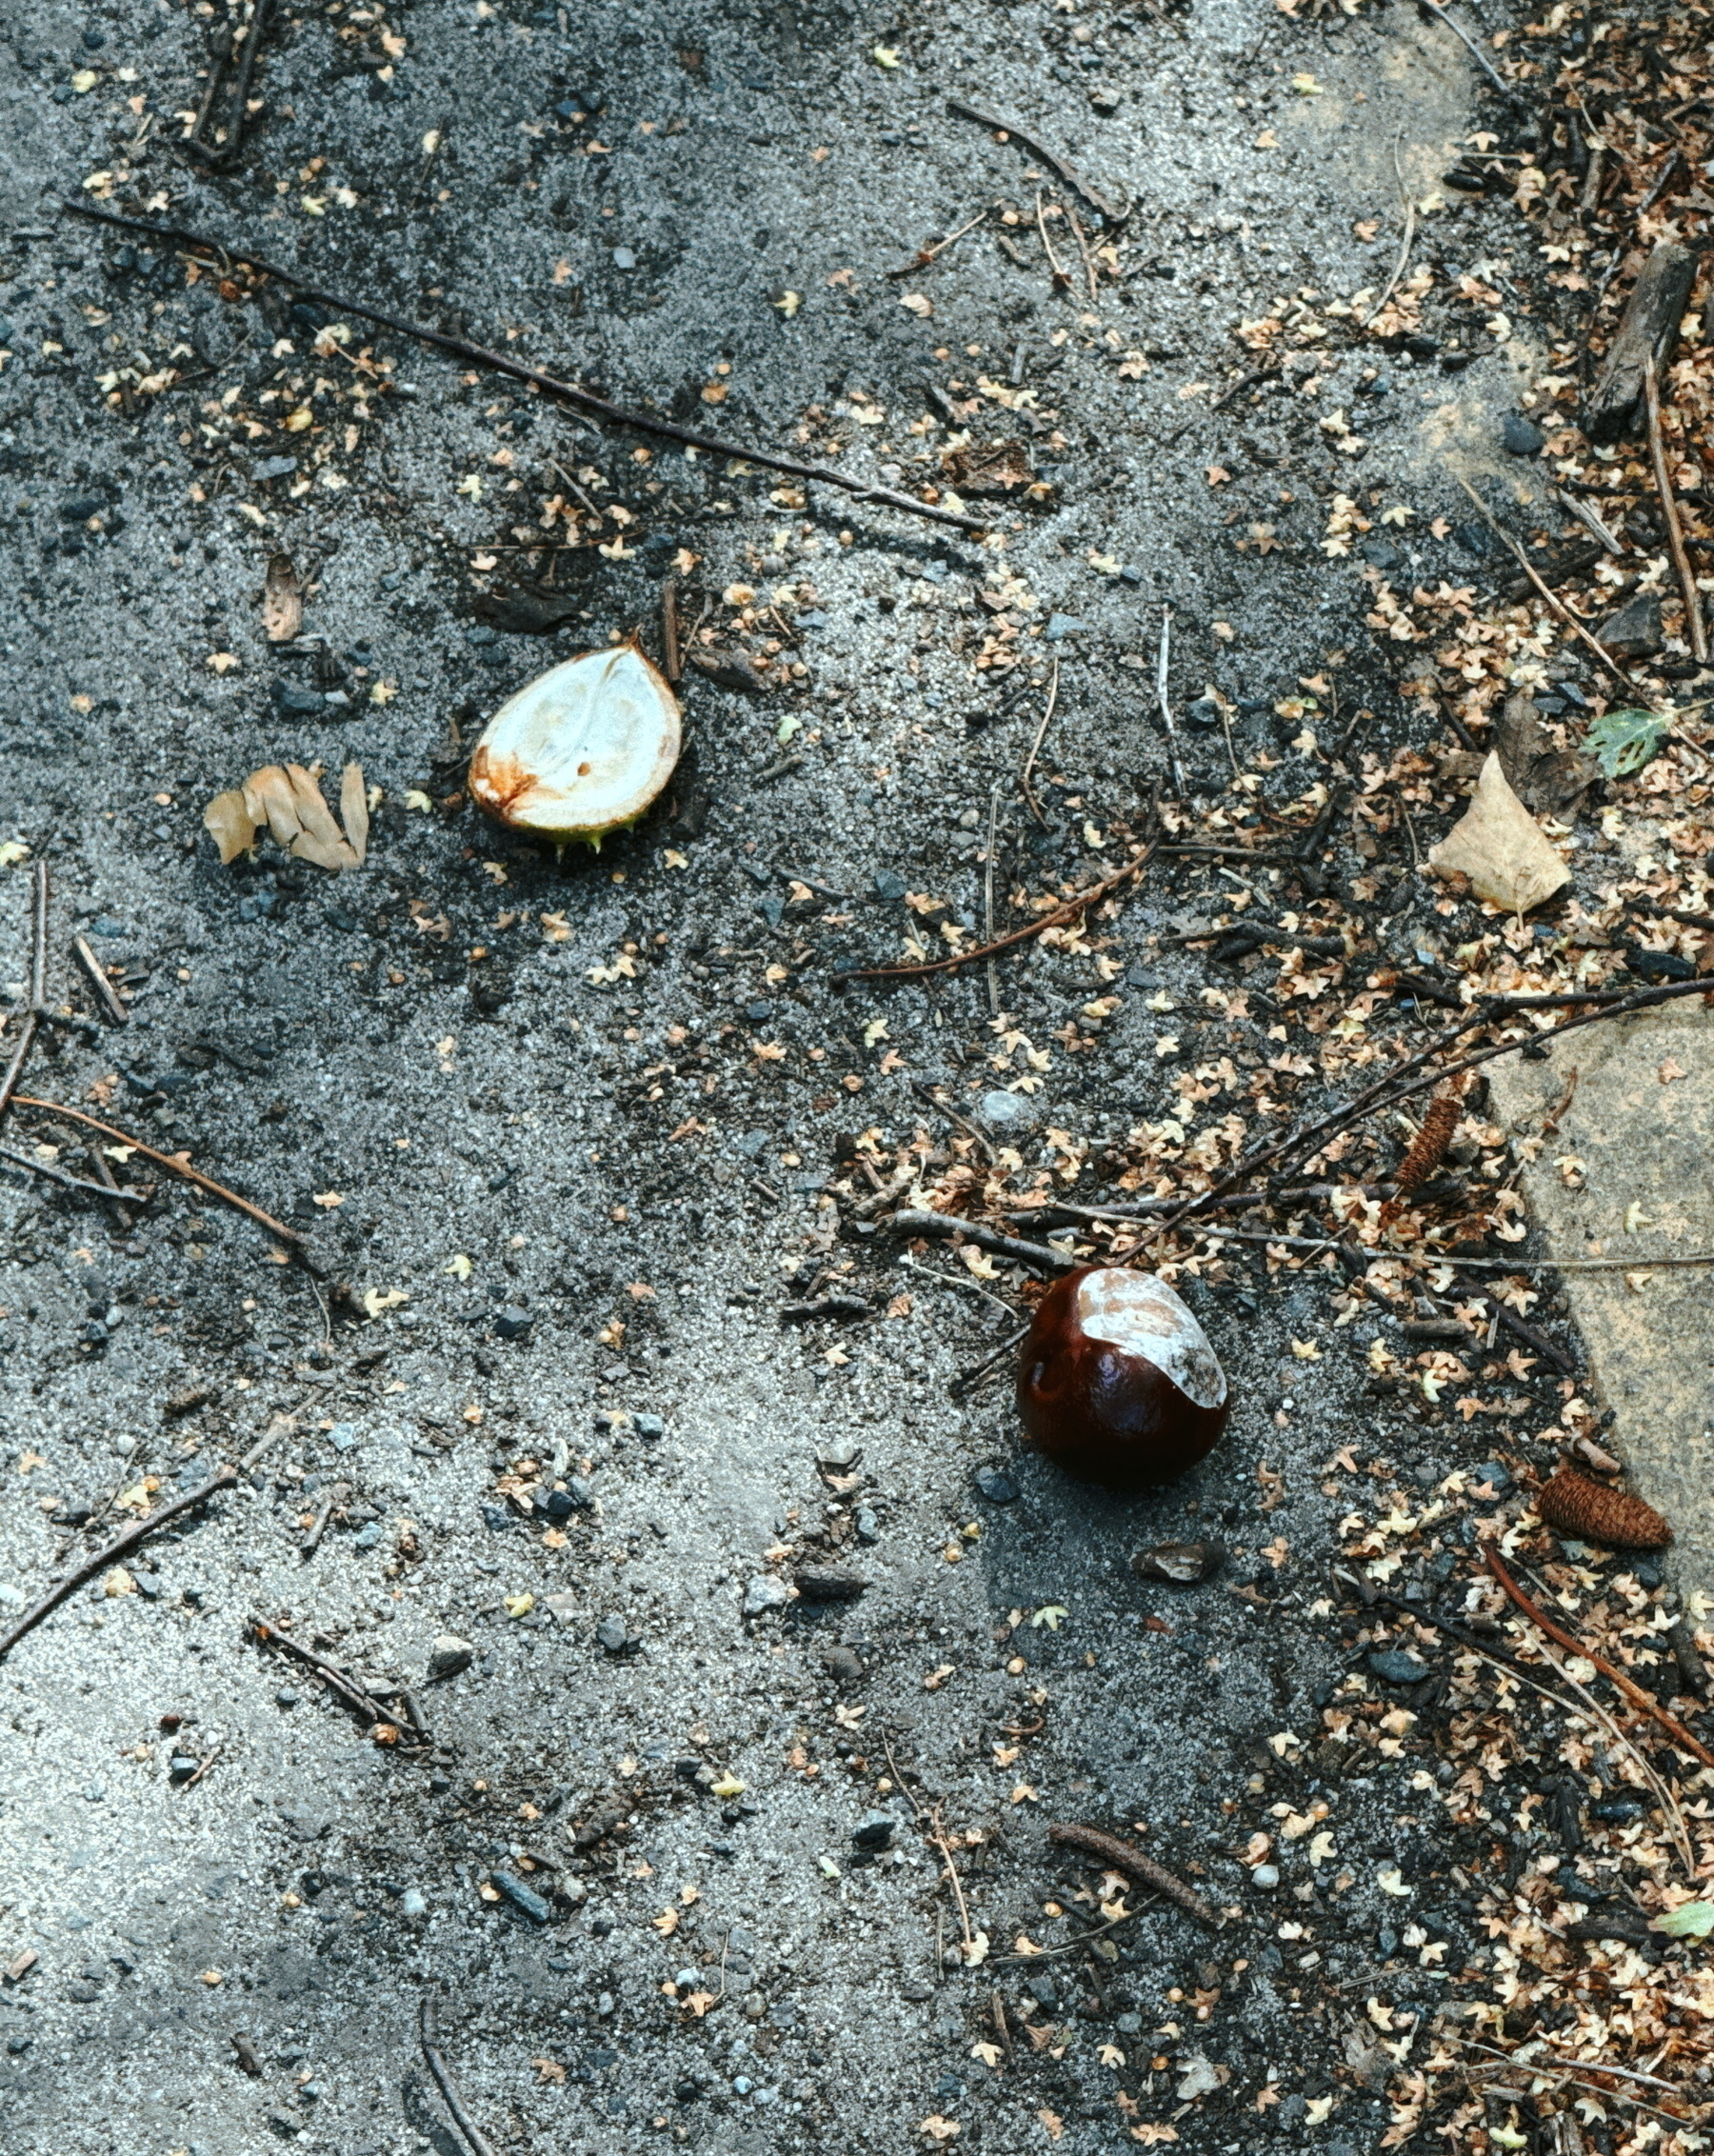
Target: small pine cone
x,y
1591,1511
1424,1155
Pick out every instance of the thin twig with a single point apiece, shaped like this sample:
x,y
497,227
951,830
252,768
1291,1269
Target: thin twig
x,y
1055,163
38,990
1056,919
1695,625
478,2141
191,1780
1408,241
957,1280
1012,1247
1125,1857
925,255
67,1181
964,1378
1530,569
1387,1092
1035,747
1162,662
1643,1702
103,987
1062,276
1477,54
669,630
173,1163
1082,248
109,1181
344,1687
586,400
988,896
122,1544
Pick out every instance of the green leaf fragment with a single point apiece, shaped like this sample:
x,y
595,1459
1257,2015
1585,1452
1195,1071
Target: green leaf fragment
x,y
1623,741
1690,1919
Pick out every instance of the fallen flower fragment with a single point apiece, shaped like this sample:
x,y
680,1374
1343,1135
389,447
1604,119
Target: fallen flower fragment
x,y
282,601
288,800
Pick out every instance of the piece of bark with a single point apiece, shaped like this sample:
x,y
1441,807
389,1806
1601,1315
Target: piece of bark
x,y
1643,341
1549,781
520,611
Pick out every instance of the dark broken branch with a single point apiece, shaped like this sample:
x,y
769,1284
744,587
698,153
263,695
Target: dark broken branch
x,y
1643,339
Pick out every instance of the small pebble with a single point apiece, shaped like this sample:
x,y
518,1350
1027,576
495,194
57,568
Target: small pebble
x,y
1394,1667
521,1898
763,1593
450,1654
612,1634
1522,437
996,1486
869,1527
874,1830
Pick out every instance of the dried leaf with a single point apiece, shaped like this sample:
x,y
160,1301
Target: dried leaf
x,y
287,799
228,819
1500,848
353,811
282,601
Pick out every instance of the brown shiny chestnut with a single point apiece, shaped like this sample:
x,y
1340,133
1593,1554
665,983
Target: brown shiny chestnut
x,y
1117,1381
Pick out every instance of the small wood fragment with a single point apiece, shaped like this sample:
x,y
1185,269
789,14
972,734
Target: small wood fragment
x,y
99,982
1644,338
1127,1857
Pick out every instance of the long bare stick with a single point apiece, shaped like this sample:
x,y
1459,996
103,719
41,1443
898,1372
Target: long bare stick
x,y
619,415
1643,1702
478,2141
1563,612
169,1161
122,1544
1059,914
1675,530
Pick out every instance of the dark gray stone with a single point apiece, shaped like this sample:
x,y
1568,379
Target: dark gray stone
x,y
1635,631
1522,437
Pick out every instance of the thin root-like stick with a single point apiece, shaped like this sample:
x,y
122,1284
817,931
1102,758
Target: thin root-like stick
x,y
1695,625
1062,276
1059,914
586,400
38,990
1643,1702
176,1166
1528,568
122,1544
1163,665
1127,1857
1035,747
1406,244
476,2140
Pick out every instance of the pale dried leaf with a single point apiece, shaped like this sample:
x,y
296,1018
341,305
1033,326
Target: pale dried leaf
x,y
229,819
287,799
354,811
282,601
1500,848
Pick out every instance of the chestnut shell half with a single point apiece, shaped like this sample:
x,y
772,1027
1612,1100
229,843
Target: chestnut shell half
x,y
1101,1407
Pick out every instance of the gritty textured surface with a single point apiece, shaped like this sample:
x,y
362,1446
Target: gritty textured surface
x,y
336,1051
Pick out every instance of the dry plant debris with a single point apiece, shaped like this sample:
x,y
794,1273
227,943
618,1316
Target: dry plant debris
x,y
1500,848
286,799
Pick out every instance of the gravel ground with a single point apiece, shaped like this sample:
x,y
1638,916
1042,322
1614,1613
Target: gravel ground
x,y
559,1276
